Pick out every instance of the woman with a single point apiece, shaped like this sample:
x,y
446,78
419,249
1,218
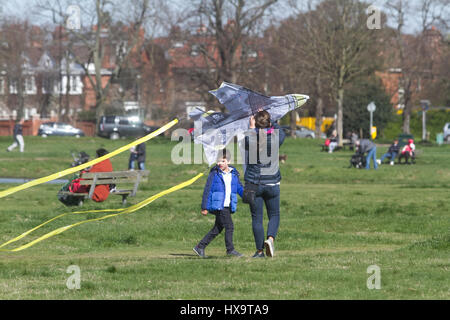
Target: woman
x,y
266,175
333,142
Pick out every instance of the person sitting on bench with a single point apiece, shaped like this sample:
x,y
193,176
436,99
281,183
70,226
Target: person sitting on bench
x,y
408,151
101,191
393,151
333,142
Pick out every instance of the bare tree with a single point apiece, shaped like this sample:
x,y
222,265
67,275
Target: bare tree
x,y
226,27
348,50
14,49
413,58
332,45
110,31
301,43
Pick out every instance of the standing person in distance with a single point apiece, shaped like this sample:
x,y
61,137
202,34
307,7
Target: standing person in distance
x,y
365,145
18,137
138,154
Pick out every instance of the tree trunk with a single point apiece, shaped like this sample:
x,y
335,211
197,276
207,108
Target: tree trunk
x,y
406,119
20,98
319,107
340,116
293,123
407,110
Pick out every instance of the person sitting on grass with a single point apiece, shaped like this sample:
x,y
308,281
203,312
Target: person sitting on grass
x,y
393,151
220,199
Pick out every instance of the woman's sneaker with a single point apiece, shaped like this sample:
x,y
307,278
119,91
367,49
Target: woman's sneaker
x,y
258,255
200,252
268,244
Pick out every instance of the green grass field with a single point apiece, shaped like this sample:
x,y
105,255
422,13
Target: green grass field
x,y
335,223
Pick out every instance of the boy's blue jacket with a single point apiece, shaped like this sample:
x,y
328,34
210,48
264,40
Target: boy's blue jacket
x,y
214,192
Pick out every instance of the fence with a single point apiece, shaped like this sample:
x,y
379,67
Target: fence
x,y
31,127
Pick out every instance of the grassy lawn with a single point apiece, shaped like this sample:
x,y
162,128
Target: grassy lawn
x,y
335,223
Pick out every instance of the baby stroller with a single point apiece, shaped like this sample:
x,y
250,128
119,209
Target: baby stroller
x,y
81,158
358,161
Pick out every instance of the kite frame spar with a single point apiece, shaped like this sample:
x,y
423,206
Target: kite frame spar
x,y
215,130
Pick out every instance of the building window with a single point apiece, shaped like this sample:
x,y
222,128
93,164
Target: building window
x,y
2,85
75,85
48,86
177,44
30,85
12,86
121,49
195,50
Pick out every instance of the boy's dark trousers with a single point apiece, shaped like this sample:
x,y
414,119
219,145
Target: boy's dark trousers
x,y
223,220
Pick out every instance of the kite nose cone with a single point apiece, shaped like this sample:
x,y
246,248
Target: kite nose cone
x,y
301,99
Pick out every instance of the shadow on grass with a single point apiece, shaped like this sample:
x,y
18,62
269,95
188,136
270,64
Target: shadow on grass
x,y
194,256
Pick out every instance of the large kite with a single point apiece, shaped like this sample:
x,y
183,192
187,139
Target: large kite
x,y
215,130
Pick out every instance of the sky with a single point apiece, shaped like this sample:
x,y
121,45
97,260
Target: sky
x,y
23,9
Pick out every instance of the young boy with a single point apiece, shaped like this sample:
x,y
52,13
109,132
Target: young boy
x,y
220,199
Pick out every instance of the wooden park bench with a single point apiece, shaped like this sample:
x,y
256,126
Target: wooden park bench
x,y
412,159
112,178
346,143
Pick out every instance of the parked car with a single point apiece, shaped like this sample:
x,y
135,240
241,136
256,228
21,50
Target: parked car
x,y
302,132
114,127
447,132
59,129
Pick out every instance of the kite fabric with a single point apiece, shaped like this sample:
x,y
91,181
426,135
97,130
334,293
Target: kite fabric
x,y
215,130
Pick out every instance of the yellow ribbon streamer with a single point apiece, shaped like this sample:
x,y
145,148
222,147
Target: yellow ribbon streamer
x,y
121,211
23,235
87,164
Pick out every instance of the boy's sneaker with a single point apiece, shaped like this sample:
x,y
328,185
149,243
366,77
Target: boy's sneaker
x,y
235,253
268,244
258,255
200,252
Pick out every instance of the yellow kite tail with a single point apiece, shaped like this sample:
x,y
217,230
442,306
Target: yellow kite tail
x,y
23,235
87,164
124,211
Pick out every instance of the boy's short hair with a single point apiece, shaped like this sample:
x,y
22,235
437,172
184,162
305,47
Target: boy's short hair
x,y
262,119
224,154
